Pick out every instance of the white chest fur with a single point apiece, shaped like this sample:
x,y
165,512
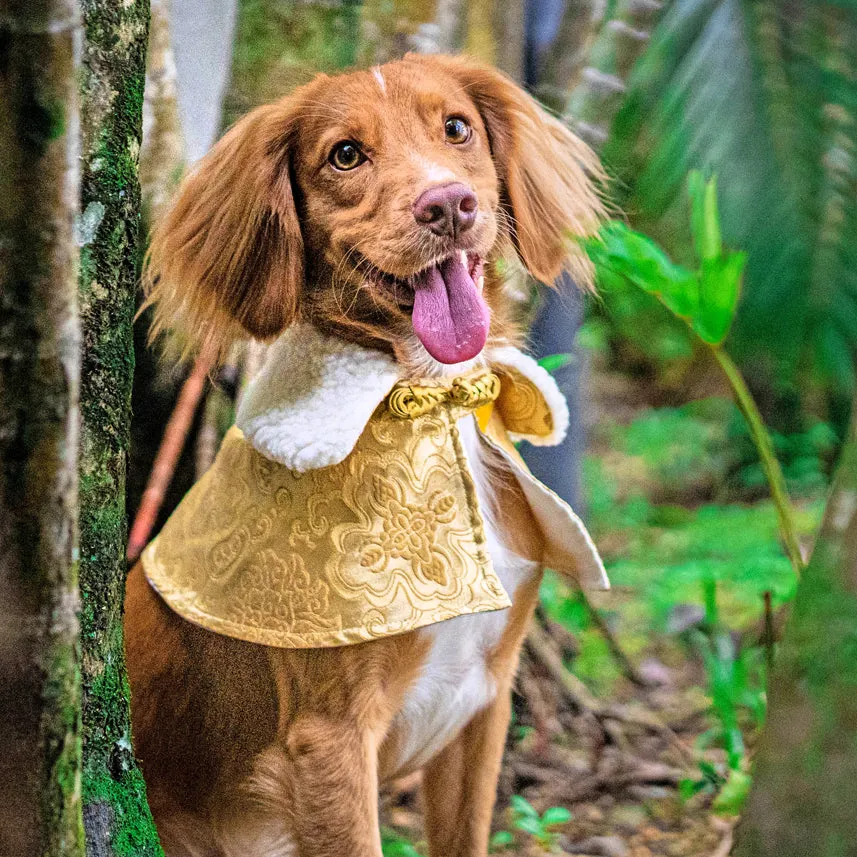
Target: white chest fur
x,y
455,682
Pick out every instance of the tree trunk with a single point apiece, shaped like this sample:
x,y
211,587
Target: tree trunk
x,y
282,43
594,102
805,789
116,816
162,148
39,382
555,71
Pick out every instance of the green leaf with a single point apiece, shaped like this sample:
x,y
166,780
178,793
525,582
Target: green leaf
x,y
553,362
687,788
555,815
527,824
705,218
719,289
734,793
521,806
711,773
396,847
621,252
500,840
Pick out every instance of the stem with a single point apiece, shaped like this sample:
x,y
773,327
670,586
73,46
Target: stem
x,y
769,632
619,655
770,465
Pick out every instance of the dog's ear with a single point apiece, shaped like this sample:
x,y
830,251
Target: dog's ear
x,y
549,177
228,259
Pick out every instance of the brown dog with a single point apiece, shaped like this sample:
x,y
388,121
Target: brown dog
x,y
364,216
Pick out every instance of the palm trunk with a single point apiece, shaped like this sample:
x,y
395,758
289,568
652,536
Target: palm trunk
x,y
595,100
116,816
40,812
557,72
806,769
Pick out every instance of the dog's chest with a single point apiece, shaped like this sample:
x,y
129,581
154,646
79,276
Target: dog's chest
x,y
455,682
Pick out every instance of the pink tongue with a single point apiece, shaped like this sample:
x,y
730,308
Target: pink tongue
x,y
450,317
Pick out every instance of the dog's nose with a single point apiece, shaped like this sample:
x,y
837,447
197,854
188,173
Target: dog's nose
x,y
447,210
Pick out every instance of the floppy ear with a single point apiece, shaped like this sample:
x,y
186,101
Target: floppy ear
x,y
228,259
549,177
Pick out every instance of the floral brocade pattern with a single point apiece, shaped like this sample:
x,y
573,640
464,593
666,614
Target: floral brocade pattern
x,y
522,405
388,541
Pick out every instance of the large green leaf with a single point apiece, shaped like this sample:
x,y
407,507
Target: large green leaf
x,y
763,94
706,298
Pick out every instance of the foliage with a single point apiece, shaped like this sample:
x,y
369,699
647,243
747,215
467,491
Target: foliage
x,y
526,819
736,681
703,450
666,552
705,298
660,555
763,95
806,457
806,766
282,43
684,447
393,844
554,362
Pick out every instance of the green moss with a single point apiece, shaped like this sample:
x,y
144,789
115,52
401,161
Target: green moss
x,y
112,89
134,831
62,740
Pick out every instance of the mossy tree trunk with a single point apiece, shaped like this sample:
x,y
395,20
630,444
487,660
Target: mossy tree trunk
x,y
115,812
805,788
40,812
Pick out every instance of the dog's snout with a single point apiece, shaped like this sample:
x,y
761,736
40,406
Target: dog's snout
x,y
447,210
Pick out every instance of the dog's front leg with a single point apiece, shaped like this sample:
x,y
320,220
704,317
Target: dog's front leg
x,y
460,783
334,788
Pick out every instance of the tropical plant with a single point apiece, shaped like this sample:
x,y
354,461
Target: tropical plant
x,y
735,683
761,93
705,298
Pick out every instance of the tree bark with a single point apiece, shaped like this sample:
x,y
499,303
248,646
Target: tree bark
x,y
280,44
39,381
594,102
116,816
805,786
162,148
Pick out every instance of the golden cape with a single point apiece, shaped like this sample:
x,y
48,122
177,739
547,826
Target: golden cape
x,y
298,540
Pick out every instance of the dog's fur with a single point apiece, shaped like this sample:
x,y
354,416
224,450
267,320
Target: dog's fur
x,y
261,752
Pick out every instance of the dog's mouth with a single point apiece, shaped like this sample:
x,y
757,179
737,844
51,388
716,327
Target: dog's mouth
x,y
448,313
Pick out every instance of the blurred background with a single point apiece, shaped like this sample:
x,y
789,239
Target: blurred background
x,y
634,710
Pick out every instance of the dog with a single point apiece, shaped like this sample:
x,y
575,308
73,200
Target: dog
x,y
362,224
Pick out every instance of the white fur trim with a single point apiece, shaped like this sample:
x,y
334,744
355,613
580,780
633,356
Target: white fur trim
x,y
507,355
309,404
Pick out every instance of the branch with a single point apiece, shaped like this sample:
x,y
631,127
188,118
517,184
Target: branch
x,y
165,462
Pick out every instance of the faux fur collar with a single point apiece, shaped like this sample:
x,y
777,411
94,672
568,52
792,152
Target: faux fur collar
x,y
311,401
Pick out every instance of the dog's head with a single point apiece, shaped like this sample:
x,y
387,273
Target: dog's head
x,y
375,204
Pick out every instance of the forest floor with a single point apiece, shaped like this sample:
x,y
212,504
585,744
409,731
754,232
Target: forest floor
x,y
634,709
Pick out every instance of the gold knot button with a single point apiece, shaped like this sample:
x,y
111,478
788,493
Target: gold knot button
x,y
409,401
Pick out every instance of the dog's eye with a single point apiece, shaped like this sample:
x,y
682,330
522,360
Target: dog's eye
x,y
457,130
346,155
